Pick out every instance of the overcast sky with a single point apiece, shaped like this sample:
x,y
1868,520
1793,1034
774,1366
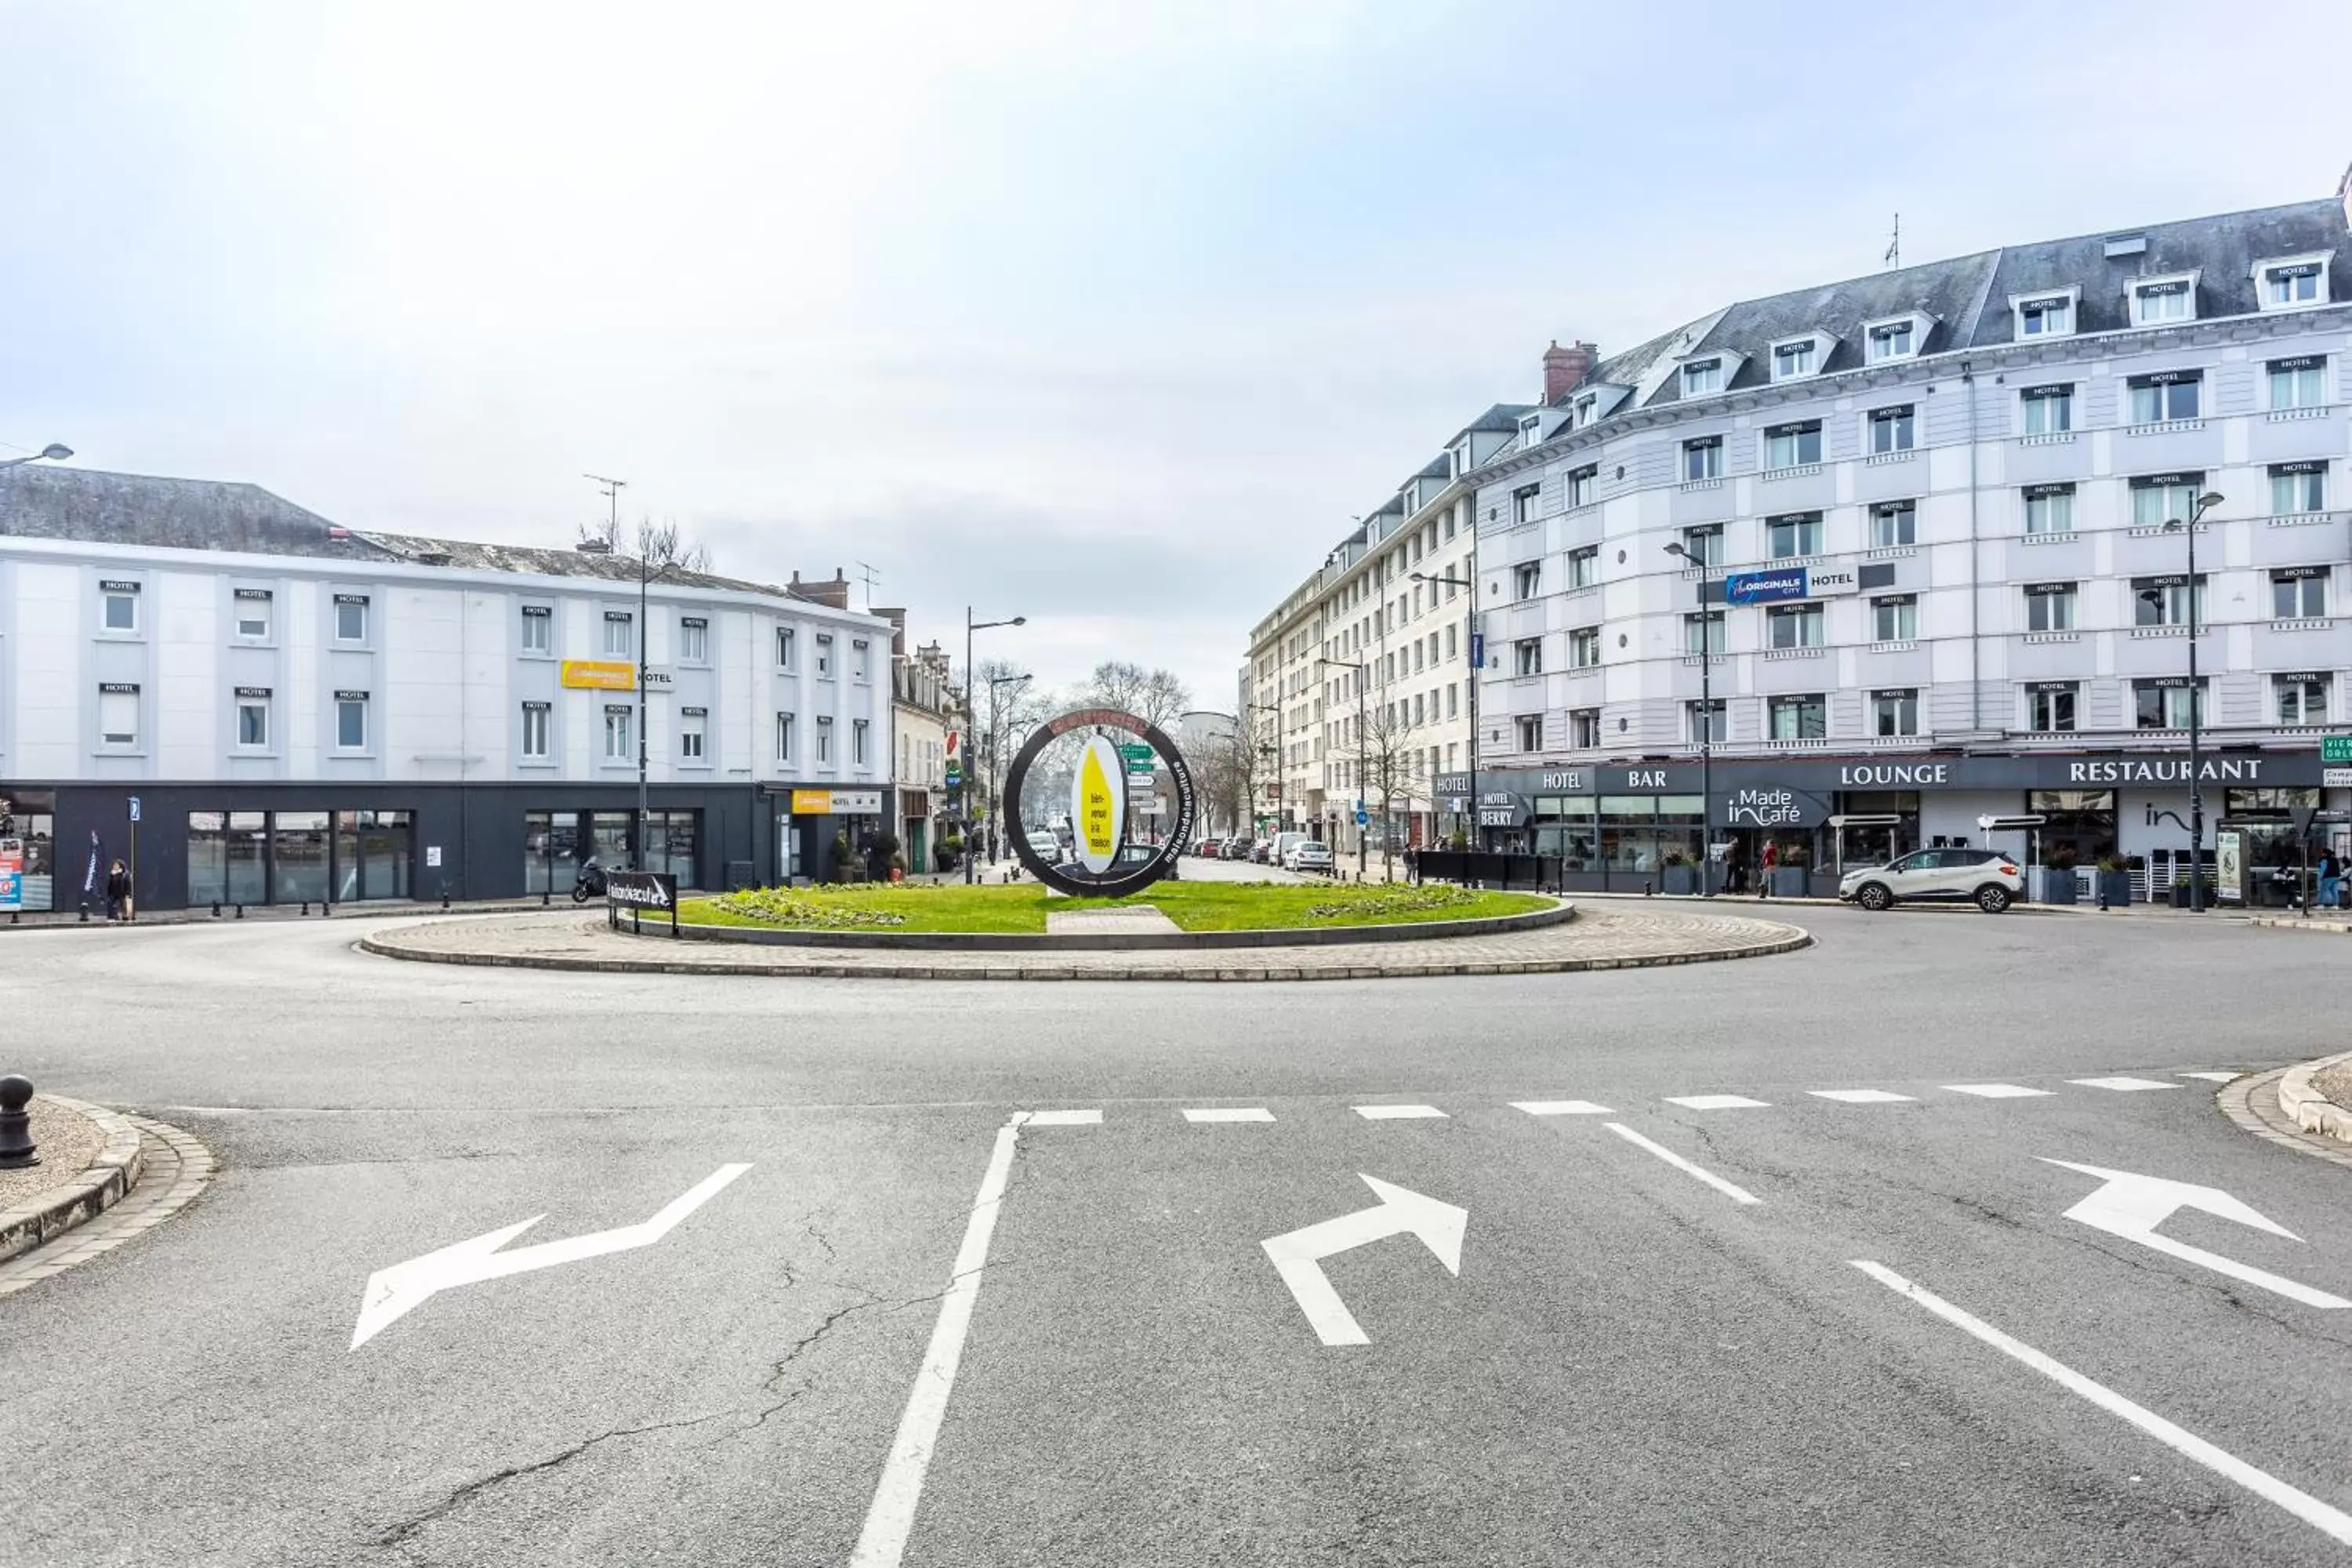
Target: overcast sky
x,y
1108,314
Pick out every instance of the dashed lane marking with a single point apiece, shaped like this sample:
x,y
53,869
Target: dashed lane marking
x,y
1064,1119
1861,1096
2215,1077
1999,1091
1231,1113
1561,1108
1717,1102
1737,1195
2122,1085
1399,1112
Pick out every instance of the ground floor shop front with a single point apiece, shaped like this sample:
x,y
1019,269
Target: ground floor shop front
x,y
197,844
1653,826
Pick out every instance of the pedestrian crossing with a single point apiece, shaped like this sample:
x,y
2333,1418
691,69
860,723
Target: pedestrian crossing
x,y
1710,1103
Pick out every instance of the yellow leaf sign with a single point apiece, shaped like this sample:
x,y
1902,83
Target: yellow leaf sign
x,y
1098,805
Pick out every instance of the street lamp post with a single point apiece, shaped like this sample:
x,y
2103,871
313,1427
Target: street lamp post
x,y
2204,503
970,870
1281,762
1476,653
996,750
646,580
54,452
1358,668
1707,732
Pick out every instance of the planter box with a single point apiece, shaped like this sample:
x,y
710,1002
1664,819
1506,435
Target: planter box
x,y
2115,888
1681,879
2051,885
1789,882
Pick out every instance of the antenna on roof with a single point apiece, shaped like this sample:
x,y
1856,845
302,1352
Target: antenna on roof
x,y
869,577
1893,257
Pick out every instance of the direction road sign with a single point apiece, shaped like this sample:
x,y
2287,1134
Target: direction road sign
x,y
1136,750
2336,778
2335,749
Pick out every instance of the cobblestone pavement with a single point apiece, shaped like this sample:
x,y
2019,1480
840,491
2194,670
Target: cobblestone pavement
x,y
1596,939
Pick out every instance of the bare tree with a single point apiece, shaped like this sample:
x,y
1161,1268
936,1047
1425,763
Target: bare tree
x,y
1009,706
660,546
1389,767
1155,696
1225,773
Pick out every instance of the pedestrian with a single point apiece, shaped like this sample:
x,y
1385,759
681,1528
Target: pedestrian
x,y
1772,860
2331,879
117,892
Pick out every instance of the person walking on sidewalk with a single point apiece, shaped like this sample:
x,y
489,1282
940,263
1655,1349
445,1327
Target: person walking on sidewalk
x,y
2331,879
1772,860
117,892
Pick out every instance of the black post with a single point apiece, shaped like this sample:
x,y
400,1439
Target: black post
x,y
1706,736
18,1149
2196,730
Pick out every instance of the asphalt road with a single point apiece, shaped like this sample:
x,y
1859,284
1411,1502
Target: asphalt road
x,y
1633,1365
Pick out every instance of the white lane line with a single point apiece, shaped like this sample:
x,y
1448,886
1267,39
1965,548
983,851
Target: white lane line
x,y
2213,1077
1736,1194
2330,1521
1398,1113
1860,1095
2122,1085
1231,1113
1717,1102
891,1516
1998,1090
1561,1108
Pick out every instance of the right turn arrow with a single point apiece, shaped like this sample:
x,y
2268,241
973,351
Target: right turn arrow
x,y
1297,1255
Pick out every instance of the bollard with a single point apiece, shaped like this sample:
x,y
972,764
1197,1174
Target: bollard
x,y
17,1149
215,909
445,898
85,911
546,897
240,911
306,906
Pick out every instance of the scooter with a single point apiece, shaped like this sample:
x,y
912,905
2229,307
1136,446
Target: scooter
x,y
590,884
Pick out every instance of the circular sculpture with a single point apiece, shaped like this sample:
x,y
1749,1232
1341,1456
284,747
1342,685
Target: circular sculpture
x,y
1107,866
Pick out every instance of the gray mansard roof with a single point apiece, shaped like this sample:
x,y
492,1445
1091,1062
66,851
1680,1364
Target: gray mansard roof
x,y
141,512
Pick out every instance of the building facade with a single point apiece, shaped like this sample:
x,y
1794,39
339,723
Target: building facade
x,y
1903,554
924,705
261,706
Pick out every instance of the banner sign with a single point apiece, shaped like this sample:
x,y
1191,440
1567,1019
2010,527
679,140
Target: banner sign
x,y
638,891
1772,587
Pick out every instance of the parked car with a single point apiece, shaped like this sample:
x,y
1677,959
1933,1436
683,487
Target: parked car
x,y
1280,854
1262,851
1206,848
1308,855
1235,850
1985,878
1047,844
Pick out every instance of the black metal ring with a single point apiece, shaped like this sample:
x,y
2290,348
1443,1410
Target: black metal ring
x,y
1121,880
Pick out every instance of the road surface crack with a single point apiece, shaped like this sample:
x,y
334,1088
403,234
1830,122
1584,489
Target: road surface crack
x,y
399,1534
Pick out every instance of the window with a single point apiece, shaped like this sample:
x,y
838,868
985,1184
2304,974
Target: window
x,y
2049,410
2302,282
1588,408
1802,718
2302,697
692,723
1420,711
2163,300
1894,523
1791,361
1524,503
351,721
2047,318
824,741
1793,626
2159,499
620,634
253,614
1582,485
534,729
2166,601
1792,446
2050,606
1530,431
538,628
1894,619
1452,646
860,656
2169,394
1892,340
2298,489
1703,458
252,717
1452,702
2050,707
693,640
783,737
1584,647
857,742
119,607
1530,727
117,714
2166,703
824,661
1893,429
1584,728
2049,508
785,647
1527,655
350,617
1797,533
2295,383
1895,712
2298,593
1704,720
618,726
1585,566
1527,579
1702,376
1704,546
1703,632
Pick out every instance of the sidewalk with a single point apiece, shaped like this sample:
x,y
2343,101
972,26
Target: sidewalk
x,y
70,919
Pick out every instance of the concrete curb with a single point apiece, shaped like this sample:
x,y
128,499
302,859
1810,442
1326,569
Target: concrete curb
x,y
2296,922
106,1181
383,947
2306,1107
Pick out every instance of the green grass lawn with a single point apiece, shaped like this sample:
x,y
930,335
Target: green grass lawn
x,y
1022,907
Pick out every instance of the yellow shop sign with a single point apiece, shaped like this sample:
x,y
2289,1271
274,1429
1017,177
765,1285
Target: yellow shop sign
x,y
599,675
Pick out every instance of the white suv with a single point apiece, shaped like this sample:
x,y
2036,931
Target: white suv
x,y
1307,855
1985,878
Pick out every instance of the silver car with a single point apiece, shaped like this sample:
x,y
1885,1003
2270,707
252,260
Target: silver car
x,y
1985,878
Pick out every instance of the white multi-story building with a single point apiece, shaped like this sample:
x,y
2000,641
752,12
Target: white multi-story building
x,y
305,712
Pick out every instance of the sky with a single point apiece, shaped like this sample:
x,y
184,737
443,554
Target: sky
x,y
1108,315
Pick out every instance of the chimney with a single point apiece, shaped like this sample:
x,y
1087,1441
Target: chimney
x,y
1564,370
2344,194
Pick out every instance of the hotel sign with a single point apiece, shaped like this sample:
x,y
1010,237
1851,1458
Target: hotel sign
x,y
610,675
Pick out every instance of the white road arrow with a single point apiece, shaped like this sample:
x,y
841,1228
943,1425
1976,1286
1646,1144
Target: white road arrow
x,y
2132,1206
1299,1256
393,1293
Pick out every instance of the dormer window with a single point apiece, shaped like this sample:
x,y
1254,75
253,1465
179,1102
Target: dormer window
x,y
1588,410
2045,315
2292,282
1461,458
1793,361
2158,301
1885,341
1530,431
1702,376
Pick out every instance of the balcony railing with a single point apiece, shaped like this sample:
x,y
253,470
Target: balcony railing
x,y
2286,416
2048,439
2303,519
1796,471
2164,427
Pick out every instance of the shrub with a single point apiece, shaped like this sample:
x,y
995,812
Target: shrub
x,y
784,907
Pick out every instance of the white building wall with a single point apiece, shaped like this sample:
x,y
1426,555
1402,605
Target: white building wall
x,y
49,647
188,634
